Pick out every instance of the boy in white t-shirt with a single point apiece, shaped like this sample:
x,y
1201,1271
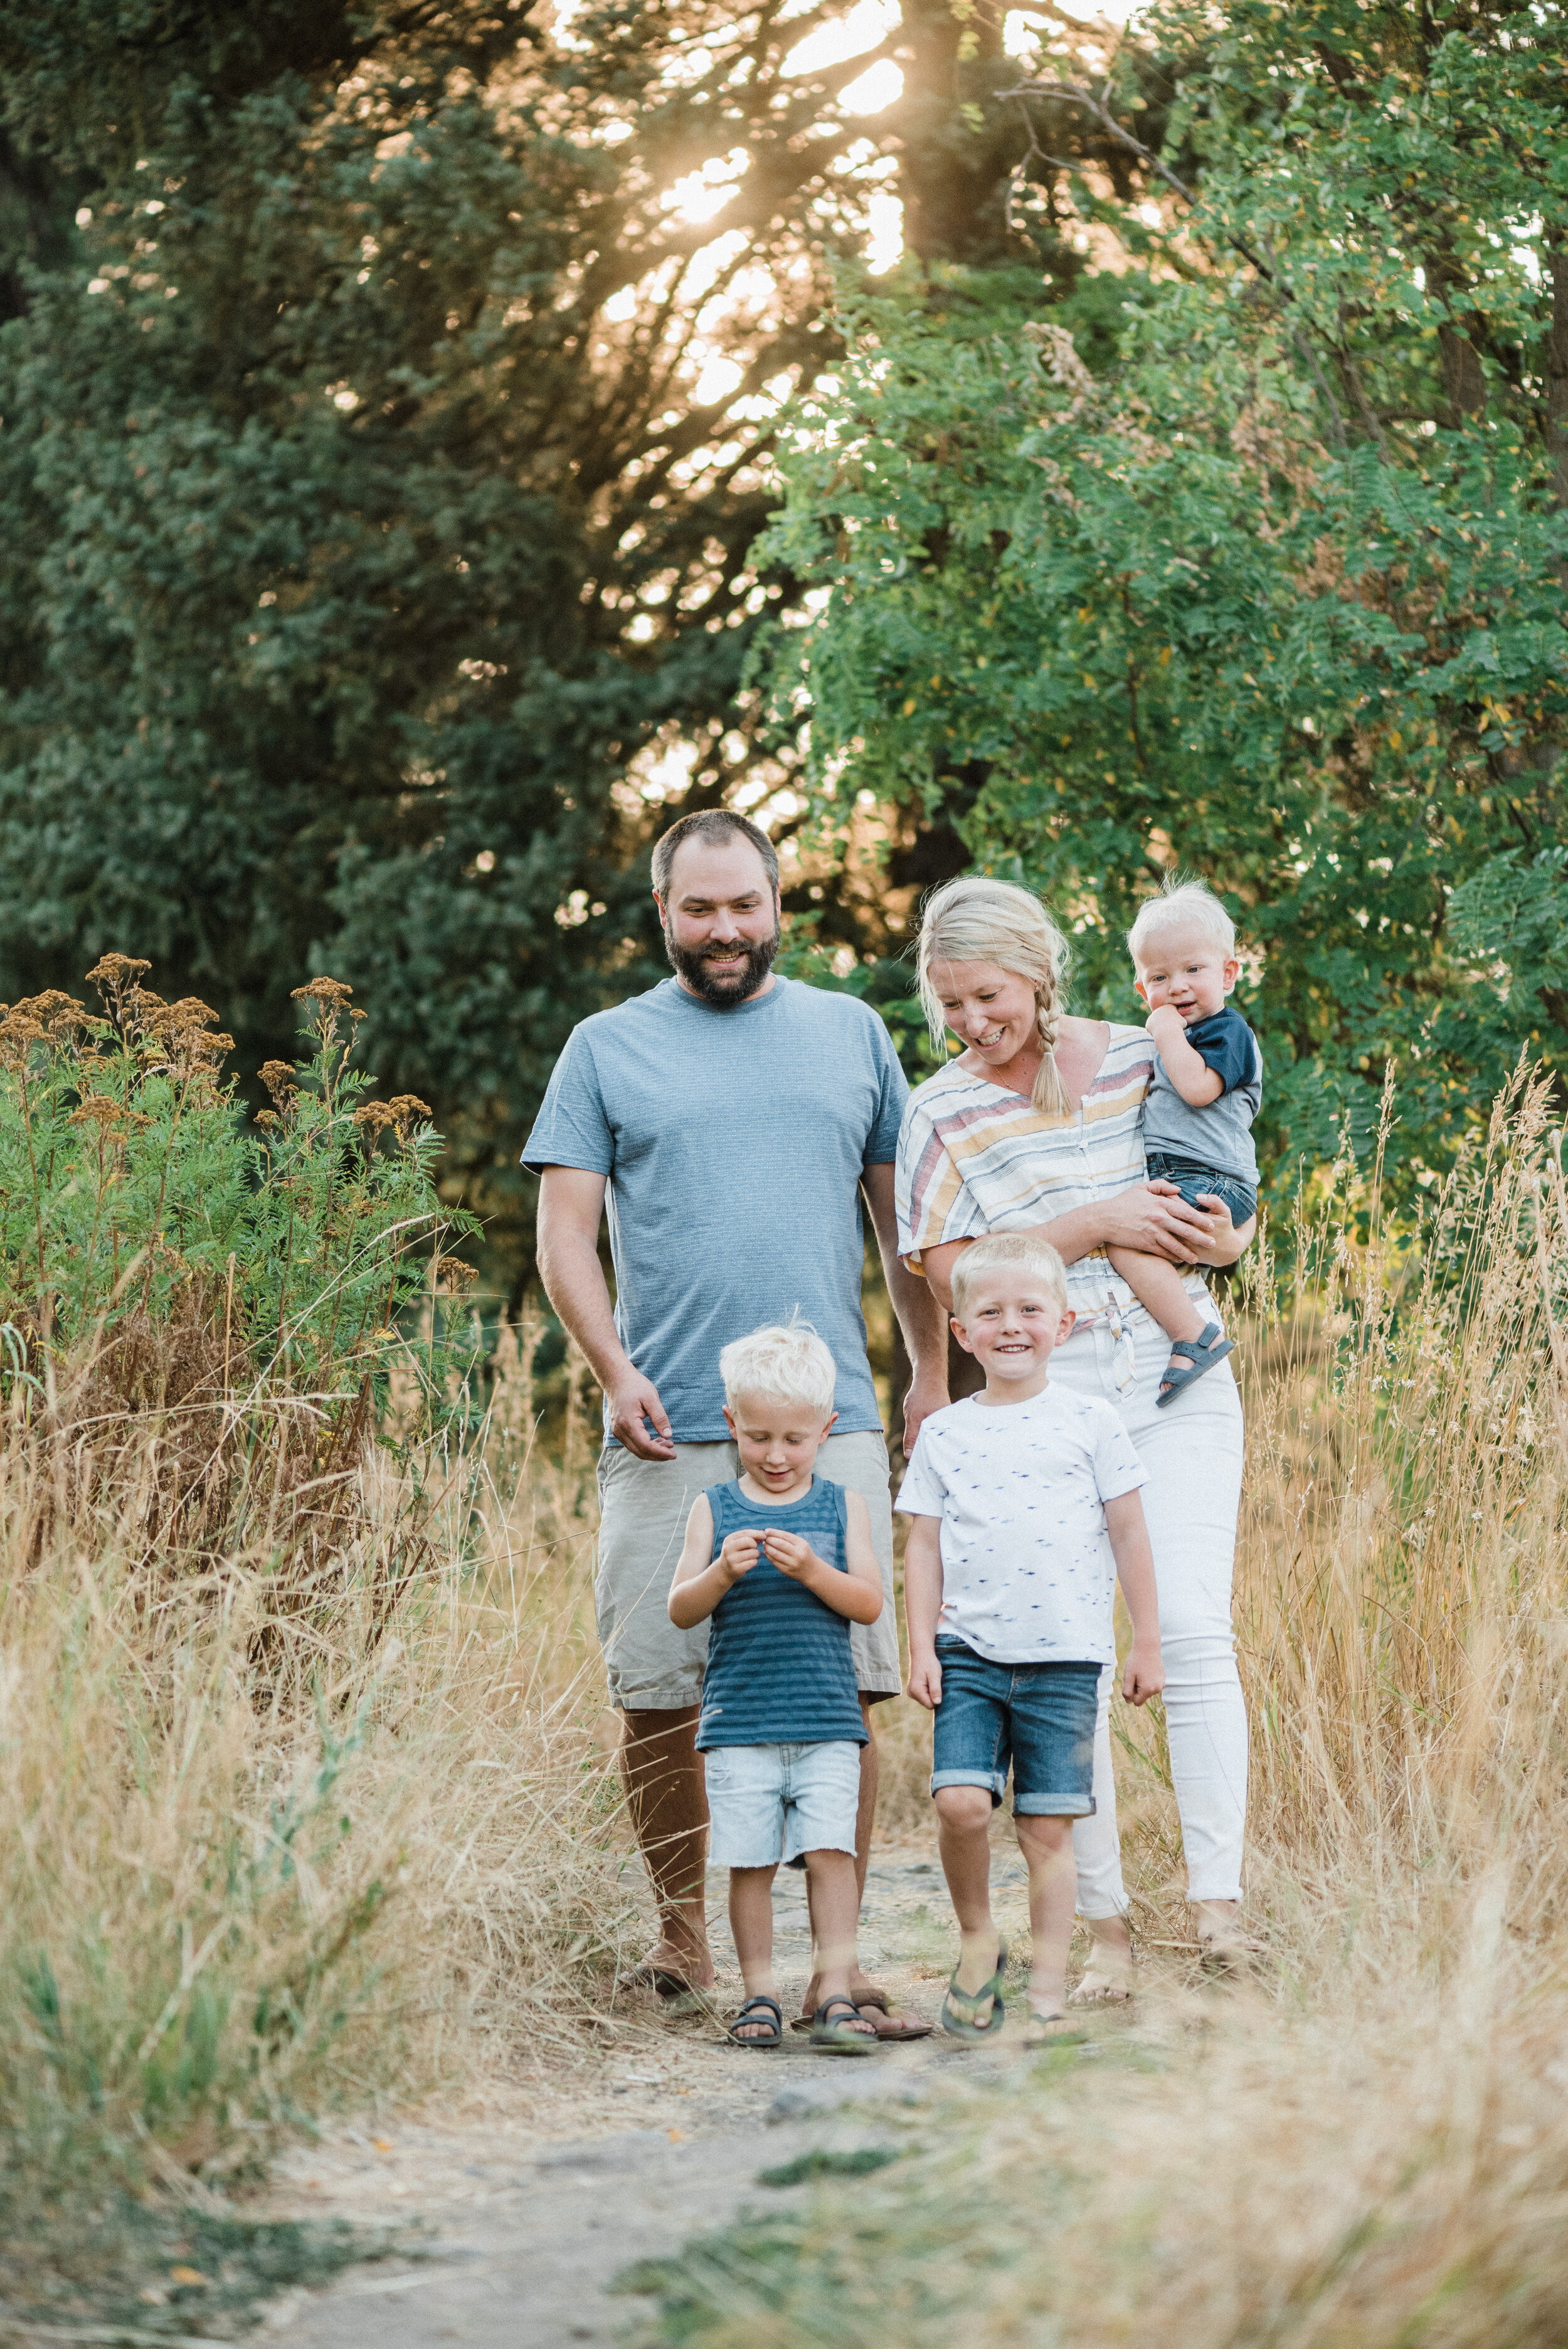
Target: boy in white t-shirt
x,y
1025,1512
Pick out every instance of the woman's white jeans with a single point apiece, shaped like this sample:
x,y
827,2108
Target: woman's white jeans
x,y
1192,1452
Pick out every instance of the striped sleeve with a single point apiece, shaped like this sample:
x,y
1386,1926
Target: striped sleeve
x,y
934,1202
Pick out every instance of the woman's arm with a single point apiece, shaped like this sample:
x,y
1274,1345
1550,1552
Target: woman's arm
x,y
1153,1218
1227,1240
919,1311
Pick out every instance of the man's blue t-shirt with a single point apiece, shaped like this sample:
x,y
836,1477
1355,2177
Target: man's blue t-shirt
x,y
734,1141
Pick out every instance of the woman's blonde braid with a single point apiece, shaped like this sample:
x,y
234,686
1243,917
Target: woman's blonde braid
x,y
1049,1093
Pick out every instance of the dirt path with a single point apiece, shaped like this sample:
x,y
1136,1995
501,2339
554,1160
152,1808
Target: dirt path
x,y
537,2197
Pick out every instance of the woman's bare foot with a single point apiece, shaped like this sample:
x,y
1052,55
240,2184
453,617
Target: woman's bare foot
x,y
1047,2024
1224,1946
1107,1979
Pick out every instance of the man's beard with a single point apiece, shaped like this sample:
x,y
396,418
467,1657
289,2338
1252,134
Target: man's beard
x,y
724,993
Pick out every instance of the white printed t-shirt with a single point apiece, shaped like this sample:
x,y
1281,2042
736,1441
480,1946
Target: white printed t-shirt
x,y
1027,1573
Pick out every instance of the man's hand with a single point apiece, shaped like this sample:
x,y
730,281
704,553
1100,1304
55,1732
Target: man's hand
x,y
791,1553
925,1680
639,1420
927,1392
739,1556
1145,1674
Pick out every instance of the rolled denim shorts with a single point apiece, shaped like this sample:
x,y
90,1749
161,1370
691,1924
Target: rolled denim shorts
x,y
1193,1179
768,1803
1039,1718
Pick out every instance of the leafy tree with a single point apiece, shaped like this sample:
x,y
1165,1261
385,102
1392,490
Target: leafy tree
x,y
1277,591
383,457
380,481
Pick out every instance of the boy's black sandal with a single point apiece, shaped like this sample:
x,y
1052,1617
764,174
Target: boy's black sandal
x,y
1210,1346
846,2036
773,2037
960,2007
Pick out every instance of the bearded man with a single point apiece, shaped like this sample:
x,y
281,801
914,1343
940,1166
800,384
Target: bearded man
x,y
738,1120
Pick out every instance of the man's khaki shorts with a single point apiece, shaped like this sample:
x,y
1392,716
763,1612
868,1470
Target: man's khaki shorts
x,y
643,1510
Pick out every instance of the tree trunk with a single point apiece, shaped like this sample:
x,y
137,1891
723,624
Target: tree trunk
x,y
1556,368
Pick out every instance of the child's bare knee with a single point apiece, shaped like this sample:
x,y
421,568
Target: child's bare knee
x,y
965,1807
1043,1836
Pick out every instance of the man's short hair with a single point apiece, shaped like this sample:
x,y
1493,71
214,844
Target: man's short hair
x,y
786,1358
981,1256
1182,906
715,825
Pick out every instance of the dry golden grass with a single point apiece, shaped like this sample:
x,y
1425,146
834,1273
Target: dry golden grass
x,y
1367,2146
259,1858
255,1861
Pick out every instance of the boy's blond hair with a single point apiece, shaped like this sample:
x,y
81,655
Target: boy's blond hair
x,y
786,1358
970,1267
1182,906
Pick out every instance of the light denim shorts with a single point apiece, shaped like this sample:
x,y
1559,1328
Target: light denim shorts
x,y
768,1803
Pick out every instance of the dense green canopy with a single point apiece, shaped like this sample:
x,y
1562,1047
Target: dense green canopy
x,y
1275,587
388,401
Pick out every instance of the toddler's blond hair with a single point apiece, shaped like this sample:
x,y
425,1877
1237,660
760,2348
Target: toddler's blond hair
x,y
984,1255
786,1358
1182,906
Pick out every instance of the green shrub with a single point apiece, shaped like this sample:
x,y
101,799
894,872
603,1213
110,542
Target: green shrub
x,y
131,1190
249,1285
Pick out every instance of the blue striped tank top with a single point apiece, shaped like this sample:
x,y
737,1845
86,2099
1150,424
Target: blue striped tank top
x,y
778,1666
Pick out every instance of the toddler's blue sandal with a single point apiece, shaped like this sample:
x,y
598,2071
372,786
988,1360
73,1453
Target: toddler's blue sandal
x,y
845,2033
752,2012
960,2007
1199,1353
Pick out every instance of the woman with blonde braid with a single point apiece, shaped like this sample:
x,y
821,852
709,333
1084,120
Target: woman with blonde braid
x,y
1037,1126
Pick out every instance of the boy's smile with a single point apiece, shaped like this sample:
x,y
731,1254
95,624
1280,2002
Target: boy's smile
x,y
1189,974
1012,1325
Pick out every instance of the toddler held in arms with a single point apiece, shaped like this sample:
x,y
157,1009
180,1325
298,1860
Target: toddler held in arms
x,y
1025,1511
1207,1088
782,1562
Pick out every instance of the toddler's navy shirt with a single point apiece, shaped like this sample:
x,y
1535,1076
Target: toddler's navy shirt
x,y
1220,1134
1227,1044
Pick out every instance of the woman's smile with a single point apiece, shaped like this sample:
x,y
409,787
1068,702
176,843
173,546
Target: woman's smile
x,y
991,1010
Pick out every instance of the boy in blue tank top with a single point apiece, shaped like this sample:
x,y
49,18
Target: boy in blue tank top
x,y
780,1563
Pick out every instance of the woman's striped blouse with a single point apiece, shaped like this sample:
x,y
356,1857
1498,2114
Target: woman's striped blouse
x,y
973,1158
